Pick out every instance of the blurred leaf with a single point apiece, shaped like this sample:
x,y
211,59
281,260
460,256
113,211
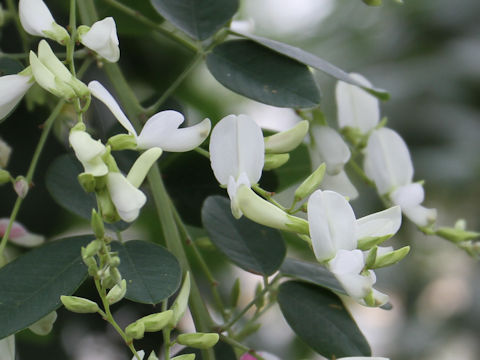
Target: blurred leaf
x,y
253,247
312,273
198,18
63,185
151,271
320,319
31,285
10,66
297,168
314,61
263,75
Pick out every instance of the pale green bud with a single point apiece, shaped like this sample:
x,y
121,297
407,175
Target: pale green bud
x,y
5,177
97,225
390,258
79,305
368,242
117,293
235,293
311,183
114,261
82,30
185,357
456,235
108,210
373,2
122,142
44,326
152,356
135,330
142,166
371,257
156,322
57,33
286,141
115,274
370,299
273,161
265,213
92,249
5,151
198,340
181,302
21,186
87,182
260,299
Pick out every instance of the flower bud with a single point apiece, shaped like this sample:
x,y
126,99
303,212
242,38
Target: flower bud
x,y
198,340
108,211
180,304
87,182
371,257
235,293
5,151
456,235
117,292
97,225
142,165
79,305
185,357
21,186
265,213
5,177
369,242
273,161
135,330
122,142
311,183
152,356
44,325
92,249
156,322
286,141
101,38
390,258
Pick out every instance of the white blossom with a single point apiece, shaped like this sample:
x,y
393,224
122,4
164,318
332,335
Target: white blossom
x,y
7,348
12,90
128,200
89,152
102,38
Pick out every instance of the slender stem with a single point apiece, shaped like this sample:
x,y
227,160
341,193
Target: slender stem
x,y
166,334
202,152
360,172
73,35
268,196
187,43
31,170
154,108
239,346
23,35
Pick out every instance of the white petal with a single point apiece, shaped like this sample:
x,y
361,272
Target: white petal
x,y
341,184
140,353
236,146
19,235
35,17
356,108
332,224
333,150
12,89
88,152
43,326
128,200
232,188
387,160
102,38
142,166
52,63
7,348
104,96
420,215
408,195
161,130
379,224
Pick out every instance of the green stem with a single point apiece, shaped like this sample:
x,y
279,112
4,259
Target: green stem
x,y
166,334
239,346
23,35
268,196
31,170
73,34
202,152
187,43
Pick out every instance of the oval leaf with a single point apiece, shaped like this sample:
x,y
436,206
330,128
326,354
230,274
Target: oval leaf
x,y
320,319
314,61
253,247
31,285
151,271
198,18
264,75
63,185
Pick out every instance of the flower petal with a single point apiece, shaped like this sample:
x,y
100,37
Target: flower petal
x,y
99,91
35,17
379,224
128,200
332,224
88,152
142,165
236,146
7,348
102,38
356,108
12,89
341,184
387,160
408,195
421,215
331,147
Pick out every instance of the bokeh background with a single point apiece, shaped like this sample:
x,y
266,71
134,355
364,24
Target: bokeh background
x,y
425,53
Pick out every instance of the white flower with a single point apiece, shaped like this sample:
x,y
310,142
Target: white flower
x,y
389,165
356,108
102,38
128,200
237,153
37,20
161,130
19,235
89,152
12,90
140,353
7,348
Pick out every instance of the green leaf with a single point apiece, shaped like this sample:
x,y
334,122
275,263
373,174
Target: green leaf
x,y
198,18
10,66
320,319
31,285
264,75
314,61
312,273
253,247
151,271
62,183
